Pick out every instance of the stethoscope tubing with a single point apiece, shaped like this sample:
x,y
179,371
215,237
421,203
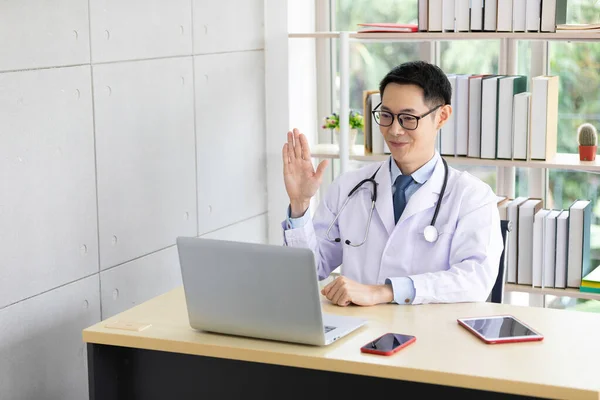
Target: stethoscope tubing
x,y
430,232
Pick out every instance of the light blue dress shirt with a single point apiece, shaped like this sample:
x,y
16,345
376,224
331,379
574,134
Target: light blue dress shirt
x,y
402,287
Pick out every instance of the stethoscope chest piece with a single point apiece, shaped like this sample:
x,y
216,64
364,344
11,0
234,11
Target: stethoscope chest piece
x,y
430,233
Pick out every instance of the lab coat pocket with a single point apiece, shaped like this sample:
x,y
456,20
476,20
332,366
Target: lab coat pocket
x,y
432,256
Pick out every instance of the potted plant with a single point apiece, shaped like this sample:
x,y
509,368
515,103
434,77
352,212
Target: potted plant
x,y
587,137
355,120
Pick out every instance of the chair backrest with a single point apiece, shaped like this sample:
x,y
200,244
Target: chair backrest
x,y
497,294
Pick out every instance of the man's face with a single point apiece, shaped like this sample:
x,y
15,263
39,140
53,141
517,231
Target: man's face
x,y
410,147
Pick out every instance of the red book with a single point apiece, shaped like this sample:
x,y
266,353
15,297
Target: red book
x,y
387,27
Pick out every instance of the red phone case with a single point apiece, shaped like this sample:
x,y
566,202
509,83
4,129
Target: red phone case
x,y
369,350
506,340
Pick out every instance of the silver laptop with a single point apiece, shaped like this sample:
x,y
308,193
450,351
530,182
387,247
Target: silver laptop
x,y
257,290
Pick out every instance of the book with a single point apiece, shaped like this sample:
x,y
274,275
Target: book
x,y
489,116
578,261
520,126
447,134
592,280
553,15
503,203
508,88
538,256
423,12
544,117
527,212
562,250
512,249
387,27
549,249
578,27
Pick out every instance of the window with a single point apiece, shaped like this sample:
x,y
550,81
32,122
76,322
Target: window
x,y
370,62
577,65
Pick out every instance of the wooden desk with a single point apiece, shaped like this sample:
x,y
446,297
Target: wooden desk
x,y
171,360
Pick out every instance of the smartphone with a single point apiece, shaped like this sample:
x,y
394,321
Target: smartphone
x,y
388,344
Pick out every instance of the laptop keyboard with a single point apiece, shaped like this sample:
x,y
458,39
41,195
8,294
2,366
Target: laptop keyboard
x,y
329,328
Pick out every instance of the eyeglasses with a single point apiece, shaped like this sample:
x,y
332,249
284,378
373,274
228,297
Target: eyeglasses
x,y
407,121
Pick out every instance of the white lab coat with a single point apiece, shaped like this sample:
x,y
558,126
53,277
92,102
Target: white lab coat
x,y
462,265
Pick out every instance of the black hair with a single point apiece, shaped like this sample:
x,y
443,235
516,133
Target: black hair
x,y
429,77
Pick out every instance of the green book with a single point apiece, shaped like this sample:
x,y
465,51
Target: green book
x,y
589,289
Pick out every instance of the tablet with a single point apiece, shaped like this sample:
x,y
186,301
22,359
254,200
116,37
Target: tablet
x,y
500,329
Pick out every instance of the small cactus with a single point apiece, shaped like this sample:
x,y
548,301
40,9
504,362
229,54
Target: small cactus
x,y
587,135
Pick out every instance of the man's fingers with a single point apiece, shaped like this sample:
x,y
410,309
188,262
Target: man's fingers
x,y
333,289
327,288
290,146
321,168
297,146
285,156
344,300
339,294
305,148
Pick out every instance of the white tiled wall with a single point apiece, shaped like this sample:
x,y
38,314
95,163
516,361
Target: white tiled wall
x,y
123,124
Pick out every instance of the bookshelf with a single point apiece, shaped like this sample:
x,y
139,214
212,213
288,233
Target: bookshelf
x,y
561,161
569,292
506,168
571,35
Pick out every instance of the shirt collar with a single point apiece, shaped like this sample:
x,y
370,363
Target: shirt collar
x,y
421,175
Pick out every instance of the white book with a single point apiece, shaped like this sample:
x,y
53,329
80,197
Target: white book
x,y
554,12
521,125
544,117
532,16
527,212
462,15
538,258
512,214
502,211
504,16
476,15
519,17
489,15
474,116
448,131
462,115
489,116
575,256
423,15
377,140
435,16
549,248
562,250
505,117
448,15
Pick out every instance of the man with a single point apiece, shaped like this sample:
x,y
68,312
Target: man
x,y
396,263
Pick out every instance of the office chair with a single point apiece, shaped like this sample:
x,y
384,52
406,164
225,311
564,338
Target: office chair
x,y
497,294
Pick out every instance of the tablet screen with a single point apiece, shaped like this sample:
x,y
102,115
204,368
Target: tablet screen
x,y
499,327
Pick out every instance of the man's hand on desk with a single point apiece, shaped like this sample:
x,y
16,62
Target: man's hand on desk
x,y
343,291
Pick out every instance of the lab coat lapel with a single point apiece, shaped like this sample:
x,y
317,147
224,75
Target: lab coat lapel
x,y
427,195
384,205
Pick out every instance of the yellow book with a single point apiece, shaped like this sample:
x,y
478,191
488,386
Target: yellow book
x,y
592,280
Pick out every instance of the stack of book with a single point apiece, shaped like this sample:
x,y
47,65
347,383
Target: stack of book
x,y
491,15
500,117
493,117
547,247
591,282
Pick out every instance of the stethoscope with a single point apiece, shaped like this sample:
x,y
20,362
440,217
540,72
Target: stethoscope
x,y
431,233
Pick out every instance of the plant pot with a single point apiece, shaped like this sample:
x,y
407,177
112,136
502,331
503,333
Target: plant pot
x,y
352,133
587,153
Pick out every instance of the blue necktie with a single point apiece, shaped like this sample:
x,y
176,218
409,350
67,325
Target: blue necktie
x,y
402,182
